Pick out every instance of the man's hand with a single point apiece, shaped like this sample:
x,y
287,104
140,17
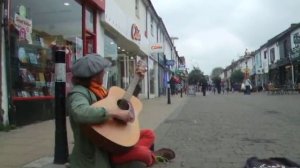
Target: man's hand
x,y
141,72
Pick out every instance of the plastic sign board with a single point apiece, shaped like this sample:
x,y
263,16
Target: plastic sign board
x,y
157,48
170,62
181,68
135,32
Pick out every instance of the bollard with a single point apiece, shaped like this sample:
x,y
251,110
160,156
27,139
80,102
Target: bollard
x,y
61,152
168,90
169,97
181,92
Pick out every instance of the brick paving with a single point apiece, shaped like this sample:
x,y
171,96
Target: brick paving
x,y
222,131
216,131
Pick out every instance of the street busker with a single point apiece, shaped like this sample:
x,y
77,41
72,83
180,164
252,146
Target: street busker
x,y
88,73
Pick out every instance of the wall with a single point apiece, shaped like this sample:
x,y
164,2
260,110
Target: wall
x,y
277,55
167,50
117,17
258,61
265,61
127,7
100,36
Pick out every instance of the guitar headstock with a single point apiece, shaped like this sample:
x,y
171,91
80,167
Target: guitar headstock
x,y
141,68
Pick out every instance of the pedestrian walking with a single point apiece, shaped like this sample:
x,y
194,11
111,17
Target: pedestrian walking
x,y
204,88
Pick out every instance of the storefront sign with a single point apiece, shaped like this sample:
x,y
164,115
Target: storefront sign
x,y
24,26
157,48
181,68
170,62
99,3
135,32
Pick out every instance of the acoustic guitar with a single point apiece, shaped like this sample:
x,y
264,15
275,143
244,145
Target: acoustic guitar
x,y
114,135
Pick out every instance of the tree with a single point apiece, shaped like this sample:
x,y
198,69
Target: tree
x,y
237,76
216,80
196,76
216,72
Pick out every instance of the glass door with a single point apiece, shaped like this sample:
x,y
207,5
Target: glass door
x,y
123,64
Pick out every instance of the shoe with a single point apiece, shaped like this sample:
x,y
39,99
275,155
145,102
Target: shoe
x,y
164,154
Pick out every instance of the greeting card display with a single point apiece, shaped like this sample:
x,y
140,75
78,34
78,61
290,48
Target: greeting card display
x,y
22,55
33,58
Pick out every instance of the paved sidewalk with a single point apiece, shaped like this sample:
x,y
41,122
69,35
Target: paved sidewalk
x,y
32,146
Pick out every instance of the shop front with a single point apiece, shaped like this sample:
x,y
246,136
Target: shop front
x,y
125,36
162,80
124,54
152,76
35,27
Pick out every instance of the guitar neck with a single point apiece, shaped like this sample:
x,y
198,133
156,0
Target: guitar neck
x,y
131,87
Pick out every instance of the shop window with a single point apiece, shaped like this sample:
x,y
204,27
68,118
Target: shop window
x,y
272,55
89,21
146,31
285,48
265,54
151,26
151,76
89,29
36,27
111,53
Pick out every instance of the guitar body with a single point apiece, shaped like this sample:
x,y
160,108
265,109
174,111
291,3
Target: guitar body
x,y
113,135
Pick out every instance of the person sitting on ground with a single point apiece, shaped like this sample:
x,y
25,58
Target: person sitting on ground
x,y
88,73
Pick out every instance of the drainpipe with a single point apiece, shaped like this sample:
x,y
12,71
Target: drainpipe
x,y
1,36
292,69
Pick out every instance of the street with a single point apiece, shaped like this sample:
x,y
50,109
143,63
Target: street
x,y
222,131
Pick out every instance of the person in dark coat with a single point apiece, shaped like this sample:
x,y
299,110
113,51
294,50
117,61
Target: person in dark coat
x,y
203,88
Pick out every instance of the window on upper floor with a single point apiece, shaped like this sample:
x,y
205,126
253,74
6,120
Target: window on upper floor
x,y
265,54
285,48
137,8
146,31
259,60
272,55
157,34
151,25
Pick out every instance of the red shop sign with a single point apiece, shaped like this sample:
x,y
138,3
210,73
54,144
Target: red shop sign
x,y
99,3
135,32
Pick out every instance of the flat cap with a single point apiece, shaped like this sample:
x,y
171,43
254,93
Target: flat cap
x,y
89,65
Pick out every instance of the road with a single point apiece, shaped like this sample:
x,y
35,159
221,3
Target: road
x,y
222,131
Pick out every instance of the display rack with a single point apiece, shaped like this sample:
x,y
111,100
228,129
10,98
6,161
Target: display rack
x,y
33,72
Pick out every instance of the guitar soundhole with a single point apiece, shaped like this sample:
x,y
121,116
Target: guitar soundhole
x,y
123,104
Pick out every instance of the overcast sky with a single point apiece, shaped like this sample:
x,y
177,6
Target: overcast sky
x,y
214,32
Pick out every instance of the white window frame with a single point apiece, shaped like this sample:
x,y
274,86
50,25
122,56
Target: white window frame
x,y
137,8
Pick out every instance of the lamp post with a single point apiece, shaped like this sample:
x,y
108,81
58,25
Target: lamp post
x,y
246,71
168,90
169,68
